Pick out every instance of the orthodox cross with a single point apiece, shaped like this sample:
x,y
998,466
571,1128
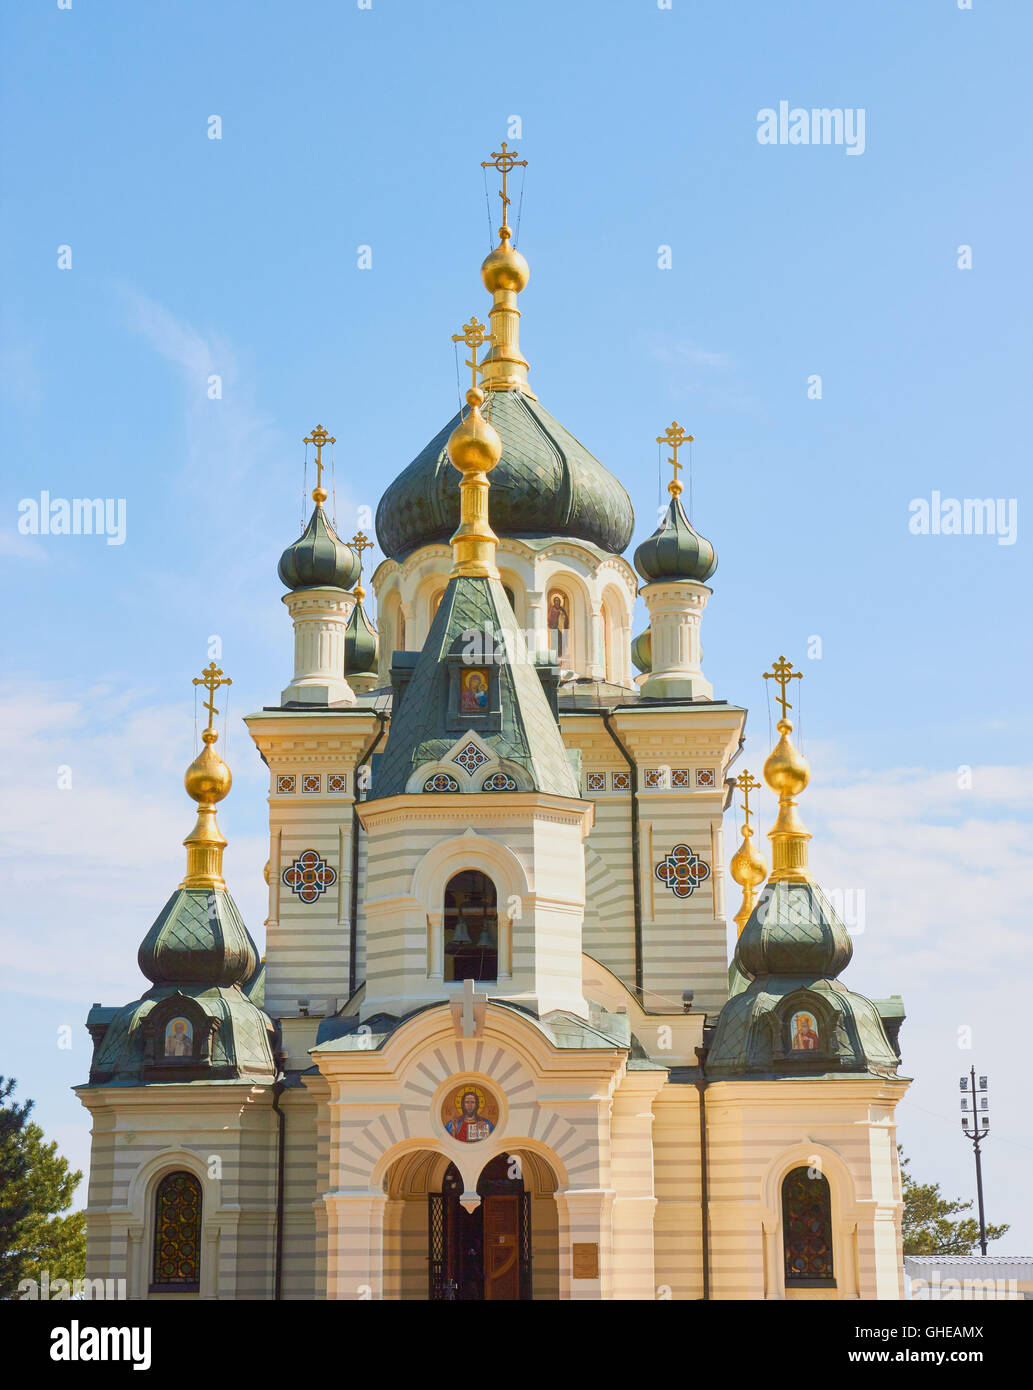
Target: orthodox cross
x,y
319,437
746,784
782,672
505,161
474,335
674,436
359,542
211,678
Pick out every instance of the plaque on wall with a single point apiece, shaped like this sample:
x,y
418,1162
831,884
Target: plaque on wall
x,y
585,1261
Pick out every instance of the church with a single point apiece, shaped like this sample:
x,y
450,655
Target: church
x,y
495,1048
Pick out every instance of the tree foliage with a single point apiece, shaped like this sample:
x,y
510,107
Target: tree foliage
x,y
36,1187
929,1227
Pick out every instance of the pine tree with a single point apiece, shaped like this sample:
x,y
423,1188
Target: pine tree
x,y
35,1187
927,1225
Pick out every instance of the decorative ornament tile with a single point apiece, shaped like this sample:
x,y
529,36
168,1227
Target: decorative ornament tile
x,y
597,781
309,876
471,758
654,777
441,782
705,777
337,781
620,781
680,777
285,785
682,871
499,782
311,782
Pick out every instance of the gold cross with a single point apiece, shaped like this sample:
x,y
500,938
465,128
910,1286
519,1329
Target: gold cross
x,y
675,437
319,437
782,672
505,161
360,543
474,334
211,678
746,784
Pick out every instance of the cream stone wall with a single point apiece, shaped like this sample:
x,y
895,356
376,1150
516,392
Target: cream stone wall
x,y
529,844
555,1107
759,1131
307,944
226,1137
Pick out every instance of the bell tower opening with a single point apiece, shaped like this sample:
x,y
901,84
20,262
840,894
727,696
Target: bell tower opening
x,y
471,927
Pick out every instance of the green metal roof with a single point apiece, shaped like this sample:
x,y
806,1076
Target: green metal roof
x,y
318,558
421,730
545,484
675,550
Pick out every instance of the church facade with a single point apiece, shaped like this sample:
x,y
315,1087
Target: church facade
x,y
495,1048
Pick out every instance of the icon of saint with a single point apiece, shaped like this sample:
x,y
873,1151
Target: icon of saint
x,y
469,1125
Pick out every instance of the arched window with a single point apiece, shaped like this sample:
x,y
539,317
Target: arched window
x,y
807,1229
559,614
471,927
177,1234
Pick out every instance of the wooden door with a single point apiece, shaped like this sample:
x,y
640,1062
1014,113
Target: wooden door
x,y
501,1247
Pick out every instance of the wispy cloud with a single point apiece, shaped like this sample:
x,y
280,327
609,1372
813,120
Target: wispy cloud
x,y
688,369
87,868
231,433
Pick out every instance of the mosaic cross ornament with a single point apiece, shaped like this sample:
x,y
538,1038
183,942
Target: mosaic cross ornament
x,y
682,871
471,758
309,876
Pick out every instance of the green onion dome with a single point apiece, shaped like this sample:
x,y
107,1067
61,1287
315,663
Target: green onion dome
x,y
199,938
642,651
675,550
319,558
361,644
546,483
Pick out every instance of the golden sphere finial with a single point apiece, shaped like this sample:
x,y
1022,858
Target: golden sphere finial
x,y
474,445
505,269
786,771
208,779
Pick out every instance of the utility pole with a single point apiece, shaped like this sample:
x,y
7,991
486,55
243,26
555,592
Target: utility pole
x,y
975,1125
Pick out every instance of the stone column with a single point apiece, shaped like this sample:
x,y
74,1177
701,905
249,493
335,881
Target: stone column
x,y
675,613
320,618
355,1245
536,622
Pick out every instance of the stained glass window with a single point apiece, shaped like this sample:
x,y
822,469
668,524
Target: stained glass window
x,y
177,1234
807,1227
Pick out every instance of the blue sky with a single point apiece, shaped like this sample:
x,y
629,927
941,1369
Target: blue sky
x,y
238,257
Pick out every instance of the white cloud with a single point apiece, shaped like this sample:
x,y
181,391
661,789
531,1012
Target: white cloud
x,y
231,432
87,869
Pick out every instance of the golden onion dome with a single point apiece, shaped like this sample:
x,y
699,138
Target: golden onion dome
x,y
746,866
505,269
208,779
786,771
474,446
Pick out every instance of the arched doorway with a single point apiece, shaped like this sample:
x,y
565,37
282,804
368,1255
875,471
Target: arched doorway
x,y
484,1254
